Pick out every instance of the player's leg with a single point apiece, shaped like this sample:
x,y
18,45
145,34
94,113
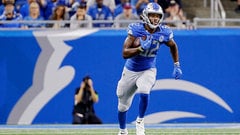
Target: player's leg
x,y
124,104
144,84
125,91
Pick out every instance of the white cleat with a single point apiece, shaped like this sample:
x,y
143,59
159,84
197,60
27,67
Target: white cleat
x,y
140,130
123,132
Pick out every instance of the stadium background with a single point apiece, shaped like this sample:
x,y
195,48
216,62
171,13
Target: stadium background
x,y
29,61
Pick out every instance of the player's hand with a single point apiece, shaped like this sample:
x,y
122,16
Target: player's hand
x,y
146,44
177,72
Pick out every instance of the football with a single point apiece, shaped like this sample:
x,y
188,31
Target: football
x,y
136,43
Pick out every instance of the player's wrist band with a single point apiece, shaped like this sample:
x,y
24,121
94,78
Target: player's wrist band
x,y
140,49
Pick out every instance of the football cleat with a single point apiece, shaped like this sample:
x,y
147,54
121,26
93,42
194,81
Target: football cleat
x,y
140,130
123,132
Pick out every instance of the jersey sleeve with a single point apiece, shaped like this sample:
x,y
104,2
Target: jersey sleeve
x,y
136,30
167,32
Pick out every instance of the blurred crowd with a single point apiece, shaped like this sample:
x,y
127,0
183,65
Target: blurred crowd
x,y
237,9
81,13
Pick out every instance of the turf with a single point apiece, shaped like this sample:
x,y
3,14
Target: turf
x,y
113,130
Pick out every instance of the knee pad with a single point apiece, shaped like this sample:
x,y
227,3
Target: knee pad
x,y
122,107
144,89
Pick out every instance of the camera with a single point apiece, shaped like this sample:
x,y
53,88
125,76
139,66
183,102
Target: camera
x,y
85,80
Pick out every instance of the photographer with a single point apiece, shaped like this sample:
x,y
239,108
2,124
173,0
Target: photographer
x,y
85,97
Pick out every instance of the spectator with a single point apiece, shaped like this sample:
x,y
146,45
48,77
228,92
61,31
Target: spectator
x,y
168,2
81,15
10,15
141,4
99,11
164,4
72,6
85,97
2,6
59,14
127,15
109,3
34,15
175,14
19,4
237,9
51,5
24,10
117,2
119,8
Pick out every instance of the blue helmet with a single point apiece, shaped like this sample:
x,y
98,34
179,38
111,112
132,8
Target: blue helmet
x,y
152,8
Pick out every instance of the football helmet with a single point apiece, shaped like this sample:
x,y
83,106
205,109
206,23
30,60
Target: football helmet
x,y
152,8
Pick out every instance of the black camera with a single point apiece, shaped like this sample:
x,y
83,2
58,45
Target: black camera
x,y
85,80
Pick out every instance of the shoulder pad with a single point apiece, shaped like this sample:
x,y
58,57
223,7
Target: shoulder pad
x,y
167,31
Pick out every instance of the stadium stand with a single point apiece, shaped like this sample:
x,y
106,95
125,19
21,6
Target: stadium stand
x,y
201,11
200,14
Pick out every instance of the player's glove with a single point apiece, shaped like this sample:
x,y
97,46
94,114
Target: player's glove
x,y
146,44
177,72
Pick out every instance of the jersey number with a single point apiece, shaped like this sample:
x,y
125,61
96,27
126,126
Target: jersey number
x,y
152,52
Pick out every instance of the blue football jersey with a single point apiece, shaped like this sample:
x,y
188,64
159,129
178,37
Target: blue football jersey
x,y
147,58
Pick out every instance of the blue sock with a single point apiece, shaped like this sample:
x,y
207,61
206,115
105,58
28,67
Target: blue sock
x,y
122,119
143,104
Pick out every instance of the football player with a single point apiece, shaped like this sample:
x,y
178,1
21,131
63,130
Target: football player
x,y
139,73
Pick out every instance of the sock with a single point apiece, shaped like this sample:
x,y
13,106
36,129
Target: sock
x,y
139,119
143,104
122,119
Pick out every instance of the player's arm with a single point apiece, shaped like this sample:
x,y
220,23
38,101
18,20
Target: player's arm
x,y
128,48
173,49
177,72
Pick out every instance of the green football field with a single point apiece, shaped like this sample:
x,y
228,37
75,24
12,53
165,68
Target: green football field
x,y
114,132
160,129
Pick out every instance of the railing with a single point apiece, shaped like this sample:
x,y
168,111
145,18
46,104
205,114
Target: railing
x,y
48,23
197,23
217,10
207,23
217,17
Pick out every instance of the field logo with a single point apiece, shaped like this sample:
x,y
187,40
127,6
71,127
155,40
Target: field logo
x,y
49,76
